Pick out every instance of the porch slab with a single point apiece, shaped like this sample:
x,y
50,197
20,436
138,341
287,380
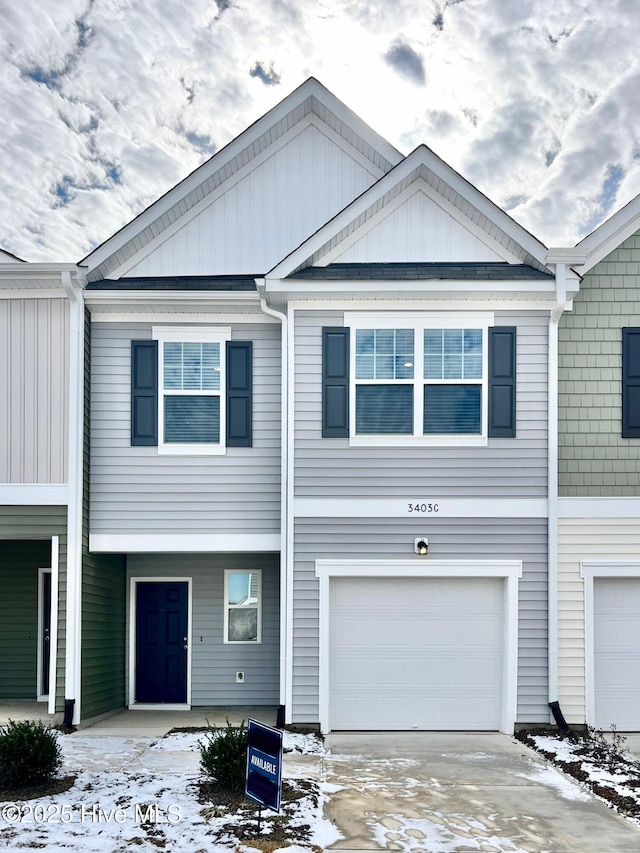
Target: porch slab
x,y
144,723
25,711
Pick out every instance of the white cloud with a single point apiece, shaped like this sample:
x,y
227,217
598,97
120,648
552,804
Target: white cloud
x,y
534,102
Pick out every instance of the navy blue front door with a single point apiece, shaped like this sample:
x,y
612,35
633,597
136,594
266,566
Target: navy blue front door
x,y
161,641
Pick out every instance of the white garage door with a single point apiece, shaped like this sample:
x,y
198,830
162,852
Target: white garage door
x,y
616,603
416,653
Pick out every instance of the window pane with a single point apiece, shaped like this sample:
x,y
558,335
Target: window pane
x,y
191,362
452,367
191,420
472,367
473,340
243,624
433,367
242,588
384,409
173,366
385,341
452,409
210,367
433,341
404,341
453,340
384,367
364,366
364,341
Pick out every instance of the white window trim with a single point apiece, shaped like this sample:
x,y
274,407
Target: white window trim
x,y
227,607
191,334
419,321
43,697
589,571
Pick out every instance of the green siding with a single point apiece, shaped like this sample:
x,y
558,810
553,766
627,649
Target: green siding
x,y
103,597
103,634
25,546
593,458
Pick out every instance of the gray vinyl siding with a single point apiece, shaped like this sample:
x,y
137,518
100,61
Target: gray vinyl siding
x,y
593,458
31,526
507,468
449,539
133,489
34,370
215,663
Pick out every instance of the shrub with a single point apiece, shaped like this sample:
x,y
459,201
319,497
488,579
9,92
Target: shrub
x,y
29,753
223,756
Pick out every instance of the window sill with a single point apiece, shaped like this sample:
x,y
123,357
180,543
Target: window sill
x,y
191,450
418,441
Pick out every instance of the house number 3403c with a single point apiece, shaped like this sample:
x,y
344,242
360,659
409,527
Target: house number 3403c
x,y
423,507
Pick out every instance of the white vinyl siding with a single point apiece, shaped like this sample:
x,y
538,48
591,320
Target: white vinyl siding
x,y
34,385
607,539
265,211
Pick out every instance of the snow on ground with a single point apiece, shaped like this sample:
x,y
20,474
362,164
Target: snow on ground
x,y
125,797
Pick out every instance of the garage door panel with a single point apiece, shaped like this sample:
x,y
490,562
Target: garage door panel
x,y
437,664
617,653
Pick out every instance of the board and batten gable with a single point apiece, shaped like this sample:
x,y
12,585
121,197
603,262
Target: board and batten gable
x,y
506,468
594,460
135,490
34,382
255,218
214,663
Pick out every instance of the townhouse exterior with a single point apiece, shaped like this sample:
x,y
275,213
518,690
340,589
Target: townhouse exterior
x,y
599,481
40,529
305,366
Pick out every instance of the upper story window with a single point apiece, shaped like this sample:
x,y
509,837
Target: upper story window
x,y
191,398
419,377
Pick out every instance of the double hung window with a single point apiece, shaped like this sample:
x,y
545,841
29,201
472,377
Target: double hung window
x,y
419,378
191,393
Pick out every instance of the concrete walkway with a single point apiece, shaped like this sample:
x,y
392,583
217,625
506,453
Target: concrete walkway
x,y
462,792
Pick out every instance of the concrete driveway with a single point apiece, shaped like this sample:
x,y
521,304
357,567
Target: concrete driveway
x,y
441,793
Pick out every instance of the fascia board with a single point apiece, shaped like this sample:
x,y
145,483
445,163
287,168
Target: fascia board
x,y
310,88
302,288
608,236
483,204
36,270
169,297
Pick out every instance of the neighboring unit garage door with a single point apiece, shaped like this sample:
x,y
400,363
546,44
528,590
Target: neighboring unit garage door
x,y
416,653
616,604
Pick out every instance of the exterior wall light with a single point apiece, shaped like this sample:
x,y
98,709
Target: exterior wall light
x,y
421,546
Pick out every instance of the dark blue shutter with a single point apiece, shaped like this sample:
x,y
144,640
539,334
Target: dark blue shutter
x,y
502,382
335,382
631,383
144,393
239,393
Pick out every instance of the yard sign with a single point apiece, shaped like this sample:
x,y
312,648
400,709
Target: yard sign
x,y
263,782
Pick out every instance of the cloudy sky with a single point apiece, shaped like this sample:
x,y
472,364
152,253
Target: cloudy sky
x,y
106,104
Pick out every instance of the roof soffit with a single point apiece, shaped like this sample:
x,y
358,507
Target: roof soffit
x,y
311,98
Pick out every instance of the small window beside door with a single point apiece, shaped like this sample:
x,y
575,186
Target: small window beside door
x,y
242,606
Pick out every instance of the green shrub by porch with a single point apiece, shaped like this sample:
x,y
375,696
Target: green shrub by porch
x,y
29,753
223,756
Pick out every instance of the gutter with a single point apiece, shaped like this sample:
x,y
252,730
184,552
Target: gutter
x,y
286,523
72,688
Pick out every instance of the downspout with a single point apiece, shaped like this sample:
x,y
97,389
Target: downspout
x,y
72,681
285,570
552,479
